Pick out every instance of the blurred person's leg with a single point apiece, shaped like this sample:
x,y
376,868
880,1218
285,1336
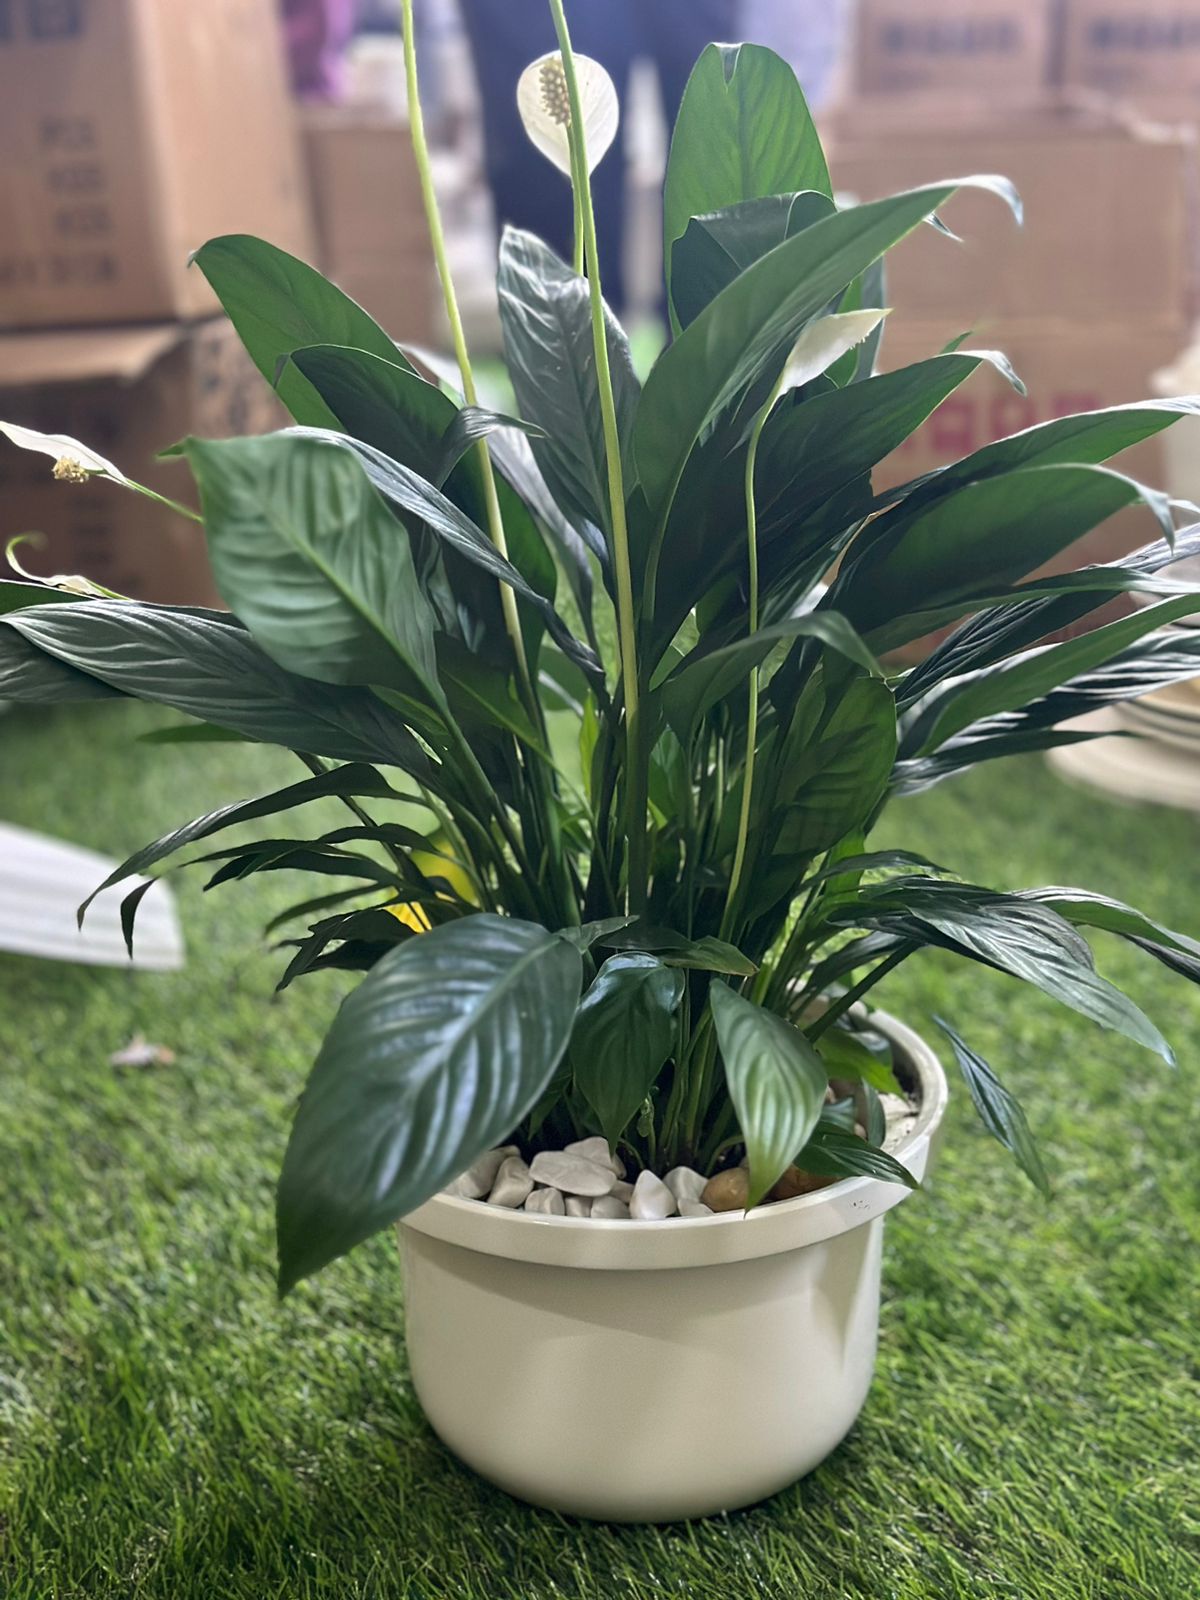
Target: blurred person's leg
x,y
674,32
505,36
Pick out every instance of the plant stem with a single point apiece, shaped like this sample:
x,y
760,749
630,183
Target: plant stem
x,y
636,781
743,833
842,1004
433,219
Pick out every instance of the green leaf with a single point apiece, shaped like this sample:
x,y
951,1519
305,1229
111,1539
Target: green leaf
x,y
585,937
717,247
847,1057
356,779
743,131
1004,931
999,1111
834,771
776,1081
833,1152
704,678
919,566
16,596
311,560
412,493
745,333
545,312
204,667
433,1059
1082,908
278,304
624,1031
470,425
382,401
704,955
1010,687
479,691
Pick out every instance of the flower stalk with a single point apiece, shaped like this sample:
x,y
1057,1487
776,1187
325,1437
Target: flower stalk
x,y
636,779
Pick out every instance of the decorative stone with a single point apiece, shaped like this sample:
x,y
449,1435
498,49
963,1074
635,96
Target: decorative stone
x,y
728,1191
513,1184
477,1180
694,1208
901,1114
622,1190
547,1202
597,1149
577,1206
652,1200
685,1183
795,1183
612,1208
573,1174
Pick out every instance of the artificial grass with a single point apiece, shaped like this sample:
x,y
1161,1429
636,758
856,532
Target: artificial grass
x,y
168,1430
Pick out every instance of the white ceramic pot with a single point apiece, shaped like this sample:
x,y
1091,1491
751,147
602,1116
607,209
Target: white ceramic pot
x,y
647,1371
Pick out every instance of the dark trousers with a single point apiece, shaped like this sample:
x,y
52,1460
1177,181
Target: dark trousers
x,y
506,35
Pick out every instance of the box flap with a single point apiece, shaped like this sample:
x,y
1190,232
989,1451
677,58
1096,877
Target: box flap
x,y
83,354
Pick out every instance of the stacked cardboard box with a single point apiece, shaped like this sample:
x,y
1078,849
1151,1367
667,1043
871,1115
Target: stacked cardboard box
x,y
371,235
1145,53
1090,298
132,131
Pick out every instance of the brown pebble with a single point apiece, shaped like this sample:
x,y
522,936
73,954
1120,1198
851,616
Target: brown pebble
x,y
794,1183
728,1191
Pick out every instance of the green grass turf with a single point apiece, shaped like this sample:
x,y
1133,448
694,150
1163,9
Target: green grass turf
x,y
169,1430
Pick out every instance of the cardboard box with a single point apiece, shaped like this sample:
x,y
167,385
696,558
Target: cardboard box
x,y
132,131
1066,367
128,392
1110,213
372,240
1145,52
998,49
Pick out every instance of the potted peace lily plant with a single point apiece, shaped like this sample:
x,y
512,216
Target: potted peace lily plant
x,y
612,744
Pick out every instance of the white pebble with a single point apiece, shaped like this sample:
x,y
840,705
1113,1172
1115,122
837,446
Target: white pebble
x,y
684,1183
622,1190
695,1208
597,1149
572,1174
513,1184
652,1200
577,1206
548,1202
609,1206
477,1180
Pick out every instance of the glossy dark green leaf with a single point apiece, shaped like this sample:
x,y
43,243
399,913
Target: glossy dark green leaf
x,y
355,779
833,770
470,425
999,1111
704,678
191,733
1029,677
847,1057
208,669
834,1152
583,938
935,560
776,1081
545,312
435,1057
1083,908
278,304
477,691
311,560
745,334
704,955
16,596
624,1031
382,401
412,493
717,247
1010,933
743,131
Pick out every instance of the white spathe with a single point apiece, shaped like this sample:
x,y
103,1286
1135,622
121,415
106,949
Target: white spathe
x,y
60,447
542,102
825,341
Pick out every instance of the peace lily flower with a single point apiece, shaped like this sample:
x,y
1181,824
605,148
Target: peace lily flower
x,y
546,112
73,462
825,341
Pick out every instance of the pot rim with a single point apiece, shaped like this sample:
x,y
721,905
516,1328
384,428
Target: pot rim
x,y
633,1245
